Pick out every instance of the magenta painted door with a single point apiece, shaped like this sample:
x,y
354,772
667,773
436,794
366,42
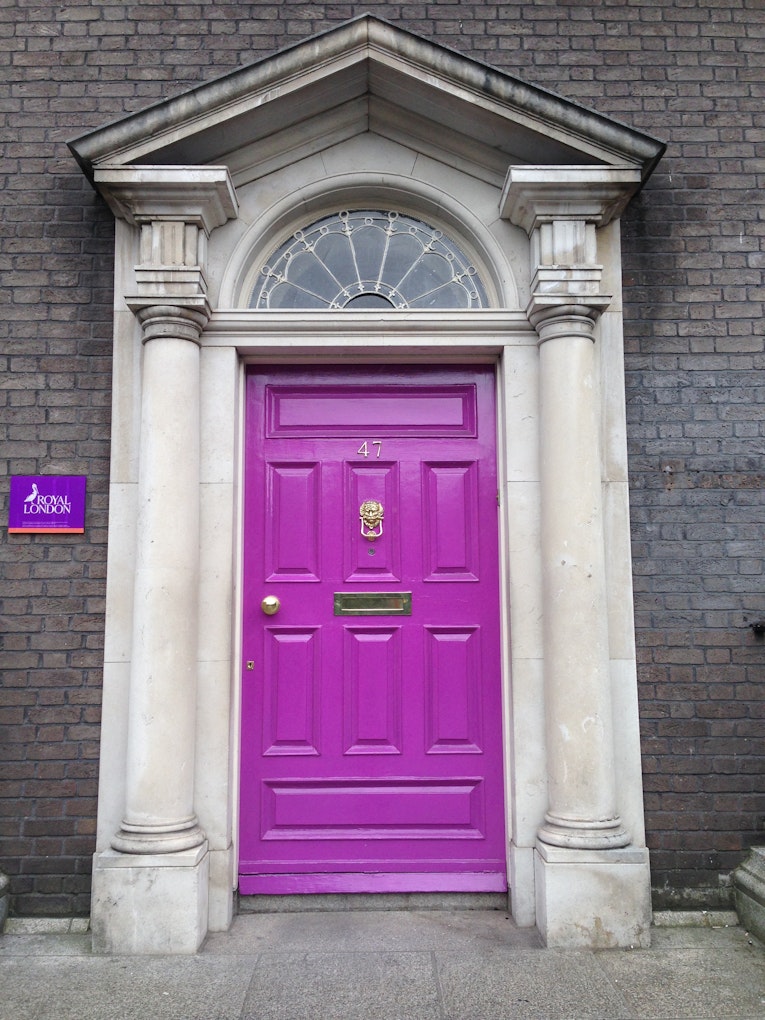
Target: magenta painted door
x,y
371,700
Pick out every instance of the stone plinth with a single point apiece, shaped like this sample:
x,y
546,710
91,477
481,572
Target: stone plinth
x,y
749,892
150,904
597,899
4,898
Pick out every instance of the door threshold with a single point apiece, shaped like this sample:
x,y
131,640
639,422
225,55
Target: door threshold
x,y
313,902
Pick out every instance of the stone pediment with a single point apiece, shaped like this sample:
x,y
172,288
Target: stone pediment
x,y
367,76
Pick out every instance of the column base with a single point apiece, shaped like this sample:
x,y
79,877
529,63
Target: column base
x,y
161,838
583,835
150,903
596,899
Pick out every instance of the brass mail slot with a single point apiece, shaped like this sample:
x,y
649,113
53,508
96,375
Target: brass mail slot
x,y
373,603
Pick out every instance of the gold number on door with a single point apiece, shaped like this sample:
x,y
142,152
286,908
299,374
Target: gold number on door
x,y
363,450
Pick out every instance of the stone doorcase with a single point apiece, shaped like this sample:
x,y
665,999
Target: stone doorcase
x,y
204,187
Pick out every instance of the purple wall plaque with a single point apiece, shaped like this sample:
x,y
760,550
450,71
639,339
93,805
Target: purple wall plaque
x,y
47,504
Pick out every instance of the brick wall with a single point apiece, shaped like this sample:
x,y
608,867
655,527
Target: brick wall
x,y
688,71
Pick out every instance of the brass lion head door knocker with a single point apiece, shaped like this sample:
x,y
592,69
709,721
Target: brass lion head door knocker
x,y
371,515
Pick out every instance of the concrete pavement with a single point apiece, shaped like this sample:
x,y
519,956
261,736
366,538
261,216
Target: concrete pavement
x,y
384,965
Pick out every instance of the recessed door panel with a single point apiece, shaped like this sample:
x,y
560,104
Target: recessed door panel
x,y
371,698
380,560
382,809
454,718
372,694
350,409
291,691
450,522
293,523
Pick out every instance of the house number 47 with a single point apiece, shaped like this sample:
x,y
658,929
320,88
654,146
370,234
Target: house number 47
x,y
363,450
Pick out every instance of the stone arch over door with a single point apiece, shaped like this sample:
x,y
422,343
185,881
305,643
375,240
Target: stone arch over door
x,y
196,184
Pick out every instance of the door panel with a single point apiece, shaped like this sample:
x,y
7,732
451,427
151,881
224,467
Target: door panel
x,y
293,541
450,522
452,696
371,481
372,690
291,690
371,730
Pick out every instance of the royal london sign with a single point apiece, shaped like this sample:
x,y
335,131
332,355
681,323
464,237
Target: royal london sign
x,y
47,504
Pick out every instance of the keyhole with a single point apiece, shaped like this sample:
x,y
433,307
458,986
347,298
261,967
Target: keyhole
x,y
371,551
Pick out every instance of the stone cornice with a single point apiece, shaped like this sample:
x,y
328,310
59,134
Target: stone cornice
x,y
535,195
365,59
175,208
202,196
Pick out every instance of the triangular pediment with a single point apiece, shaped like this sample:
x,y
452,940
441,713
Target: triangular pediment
x,y
366,76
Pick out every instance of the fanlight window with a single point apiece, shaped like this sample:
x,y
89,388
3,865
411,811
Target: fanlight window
x,y
372,260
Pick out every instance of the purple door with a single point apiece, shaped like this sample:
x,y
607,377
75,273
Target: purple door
x,y
371,697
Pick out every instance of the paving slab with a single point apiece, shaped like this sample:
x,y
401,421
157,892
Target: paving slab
x,y
51,945
527,985
343,986
87,987
720,982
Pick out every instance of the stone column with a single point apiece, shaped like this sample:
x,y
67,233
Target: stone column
x,y
159,815
591,887
580,772
150,891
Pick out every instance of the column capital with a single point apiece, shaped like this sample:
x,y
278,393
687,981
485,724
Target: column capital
x,y
180,319
564,315
204,196
533,195
175,208
561,208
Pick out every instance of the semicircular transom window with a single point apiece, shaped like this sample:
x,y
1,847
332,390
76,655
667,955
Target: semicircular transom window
x,y
369,260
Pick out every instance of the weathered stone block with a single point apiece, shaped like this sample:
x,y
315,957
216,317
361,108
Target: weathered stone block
x,y
749,892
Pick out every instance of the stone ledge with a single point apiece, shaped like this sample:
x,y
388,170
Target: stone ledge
x,y
46,925
695,919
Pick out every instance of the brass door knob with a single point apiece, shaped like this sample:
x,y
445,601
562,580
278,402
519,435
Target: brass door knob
x,y
270,605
